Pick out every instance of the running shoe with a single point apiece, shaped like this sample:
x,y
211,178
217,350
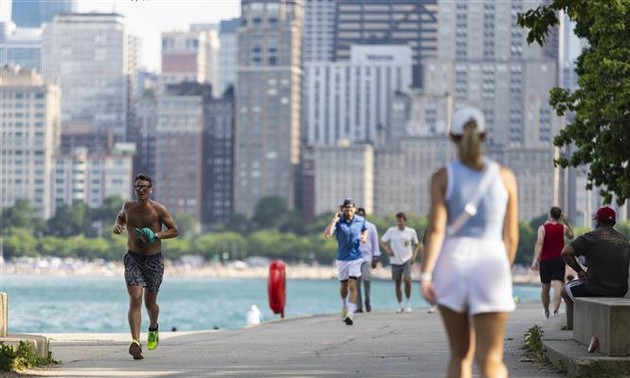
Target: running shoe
x,y
344,314
400,310
154,339
408,309
136,350
348,319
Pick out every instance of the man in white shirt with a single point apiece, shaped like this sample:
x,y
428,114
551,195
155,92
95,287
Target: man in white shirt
x,y
371,254
402,250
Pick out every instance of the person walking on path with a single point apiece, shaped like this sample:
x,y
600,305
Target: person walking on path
x,y
547,259
471,244
371,254
144,220
350,230
402,251
607,254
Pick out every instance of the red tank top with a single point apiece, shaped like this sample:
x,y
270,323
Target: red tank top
x,y
553,241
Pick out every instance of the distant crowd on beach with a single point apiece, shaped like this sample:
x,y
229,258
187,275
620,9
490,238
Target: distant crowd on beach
x,y
191,267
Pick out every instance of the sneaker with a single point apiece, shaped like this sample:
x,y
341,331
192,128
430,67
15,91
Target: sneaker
x,y
348,319
136,350
400,310
546,314
154,339
431,310
344,314
408,309
359,310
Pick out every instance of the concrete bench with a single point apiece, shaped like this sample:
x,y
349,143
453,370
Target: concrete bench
x,y
606,318
39,343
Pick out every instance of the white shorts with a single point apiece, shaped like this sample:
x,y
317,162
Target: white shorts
x,y
474,276
350,268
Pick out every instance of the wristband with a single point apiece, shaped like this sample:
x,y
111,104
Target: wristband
x,y
426,277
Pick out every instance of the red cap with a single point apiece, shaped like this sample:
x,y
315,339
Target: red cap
x,y
605,213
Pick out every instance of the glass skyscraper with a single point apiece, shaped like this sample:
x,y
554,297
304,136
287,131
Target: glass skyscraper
x,y
31,13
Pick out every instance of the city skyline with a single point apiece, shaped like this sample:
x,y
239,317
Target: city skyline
x,y
166,15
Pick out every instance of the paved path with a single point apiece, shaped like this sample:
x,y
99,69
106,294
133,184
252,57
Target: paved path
x,y
381,344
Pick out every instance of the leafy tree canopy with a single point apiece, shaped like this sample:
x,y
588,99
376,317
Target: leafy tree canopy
x,y
600,131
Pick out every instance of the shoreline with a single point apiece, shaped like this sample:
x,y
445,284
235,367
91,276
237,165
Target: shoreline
x,y
75,267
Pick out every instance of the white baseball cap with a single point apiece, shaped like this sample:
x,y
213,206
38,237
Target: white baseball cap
x,y
464,115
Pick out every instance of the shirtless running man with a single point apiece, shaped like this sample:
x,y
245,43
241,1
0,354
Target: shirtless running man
x,y
144,220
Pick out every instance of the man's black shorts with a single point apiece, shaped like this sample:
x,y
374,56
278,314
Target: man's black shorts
x,y
552,270
144,270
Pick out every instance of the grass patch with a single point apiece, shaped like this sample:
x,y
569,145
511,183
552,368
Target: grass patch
x,y
22,357
533,345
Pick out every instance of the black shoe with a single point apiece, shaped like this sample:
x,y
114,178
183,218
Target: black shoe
x,y
348,320
360,310
368,308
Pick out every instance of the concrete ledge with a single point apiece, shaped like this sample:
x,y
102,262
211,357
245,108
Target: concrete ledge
x,y
606,318
571,357
39,343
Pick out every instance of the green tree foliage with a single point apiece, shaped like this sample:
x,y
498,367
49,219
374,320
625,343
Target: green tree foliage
x,y
69,220
212,246
108,212
270,212
19,242
185,224
526,241
600,131
21,215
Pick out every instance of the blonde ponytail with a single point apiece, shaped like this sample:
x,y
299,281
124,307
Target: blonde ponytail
x,y
469,147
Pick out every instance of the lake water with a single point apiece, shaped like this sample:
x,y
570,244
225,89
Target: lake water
x,y
45,304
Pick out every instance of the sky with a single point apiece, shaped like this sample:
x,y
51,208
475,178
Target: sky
x,y
151,17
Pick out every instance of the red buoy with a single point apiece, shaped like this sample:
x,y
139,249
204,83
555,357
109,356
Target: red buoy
x,y
277,287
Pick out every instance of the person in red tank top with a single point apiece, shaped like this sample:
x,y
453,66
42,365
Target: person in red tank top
x,y
548,260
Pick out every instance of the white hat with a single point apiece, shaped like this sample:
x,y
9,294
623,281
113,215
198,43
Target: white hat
x,y
464,115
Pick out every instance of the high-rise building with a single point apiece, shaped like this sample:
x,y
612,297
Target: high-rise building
x,y
388,22
92,57
29,138
352,100
191,56
21,46
32,13
336,172
267,102
178,147
90,178
484,60
228,53
318,42
218,159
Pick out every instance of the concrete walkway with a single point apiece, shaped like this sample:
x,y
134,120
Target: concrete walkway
x,y
381,344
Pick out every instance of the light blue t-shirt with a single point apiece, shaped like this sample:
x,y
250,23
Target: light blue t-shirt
x,y
348,234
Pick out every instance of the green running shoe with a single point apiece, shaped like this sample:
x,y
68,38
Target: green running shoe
x,y
154,339
344,313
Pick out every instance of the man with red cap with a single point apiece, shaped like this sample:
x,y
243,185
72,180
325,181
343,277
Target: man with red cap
x,y
607,254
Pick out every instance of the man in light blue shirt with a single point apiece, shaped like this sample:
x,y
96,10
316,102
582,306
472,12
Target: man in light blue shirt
x,y
350,231
371,254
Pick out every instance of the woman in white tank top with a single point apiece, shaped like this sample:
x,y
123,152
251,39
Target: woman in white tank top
x,y
471,244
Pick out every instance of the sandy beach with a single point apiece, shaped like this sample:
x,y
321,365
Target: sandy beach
x,y
52,266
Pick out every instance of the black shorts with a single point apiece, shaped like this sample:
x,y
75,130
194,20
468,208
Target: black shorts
x,y
577,288
144,270
552,270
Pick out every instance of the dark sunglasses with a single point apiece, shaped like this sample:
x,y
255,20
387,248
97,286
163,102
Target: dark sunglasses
x,y
142,187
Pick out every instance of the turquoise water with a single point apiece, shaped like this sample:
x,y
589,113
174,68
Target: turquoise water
x,y
39,304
